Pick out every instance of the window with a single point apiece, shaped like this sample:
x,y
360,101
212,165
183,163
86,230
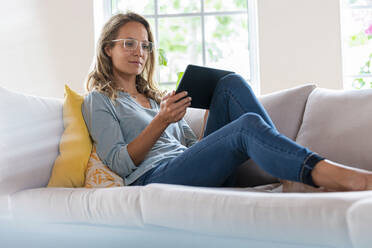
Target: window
x,y
356,16
213,33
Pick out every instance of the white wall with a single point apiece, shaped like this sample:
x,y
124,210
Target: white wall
x,y
299,41
45,44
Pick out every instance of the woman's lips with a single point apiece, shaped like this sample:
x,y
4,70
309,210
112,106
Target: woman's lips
x,y
135,62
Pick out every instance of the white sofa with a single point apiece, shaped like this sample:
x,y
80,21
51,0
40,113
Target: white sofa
x,y
255,213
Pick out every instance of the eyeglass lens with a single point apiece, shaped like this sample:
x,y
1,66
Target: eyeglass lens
x,y
132,44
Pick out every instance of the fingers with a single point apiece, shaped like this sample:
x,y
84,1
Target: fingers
x,y
175,110
179,112
173,105
181,106
186,101
175,97
169,94
172,97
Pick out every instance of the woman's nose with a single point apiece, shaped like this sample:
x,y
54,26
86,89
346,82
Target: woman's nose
x,y
139,51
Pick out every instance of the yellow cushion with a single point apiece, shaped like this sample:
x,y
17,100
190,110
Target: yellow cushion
x,y
99,175
75,145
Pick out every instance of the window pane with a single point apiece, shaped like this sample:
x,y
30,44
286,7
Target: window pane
x,y
180,37
143,7
178,6
224,5
357,46
151,21
227,43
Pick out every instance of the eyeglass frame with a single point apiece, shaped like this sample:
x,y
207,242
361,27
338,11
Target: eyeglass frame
x,y
138,42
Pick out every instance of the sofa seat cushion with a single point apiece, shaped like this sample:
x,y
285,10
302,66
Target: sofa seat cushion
x,y
114,206
302,218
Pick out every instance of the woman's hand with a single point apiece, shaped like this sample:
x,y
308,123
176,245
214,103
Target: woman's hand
x,y
172,111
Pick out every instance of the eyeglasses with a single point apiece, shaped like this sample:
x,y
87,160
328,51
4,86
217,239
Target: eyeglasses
x,y
132,44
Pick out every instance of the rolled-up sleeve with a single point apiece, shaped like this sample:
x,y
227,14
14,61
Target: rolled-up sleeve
x,y
188,135
103,125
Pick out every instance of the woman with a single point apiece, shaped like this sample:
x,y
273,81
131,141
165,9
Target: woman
x,y
141,135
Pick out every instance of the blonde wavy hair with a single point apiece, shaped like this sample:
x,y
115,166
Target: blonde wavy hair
x,y
101,78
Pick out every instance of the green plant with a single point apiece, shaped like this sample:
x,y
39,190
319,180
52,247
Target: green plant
x,y
162,57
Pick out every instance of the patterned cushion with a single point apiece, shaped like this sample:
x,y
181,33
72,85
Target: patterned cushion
x,y
99,175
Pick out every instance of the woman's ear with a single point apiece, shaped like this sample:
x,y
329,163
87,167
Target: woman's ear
x,y
107,50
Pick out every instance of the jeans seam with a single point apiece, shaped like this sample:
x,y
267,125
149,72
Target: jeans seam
x,y
275,148
228,92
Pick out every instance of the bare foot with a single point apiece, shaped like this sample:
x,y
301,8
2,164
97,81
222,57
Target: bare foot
x,y
291,186
338,177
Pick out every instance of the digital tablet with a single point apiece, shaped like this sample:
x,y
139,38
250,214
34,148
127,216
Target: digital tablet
x,y
200,82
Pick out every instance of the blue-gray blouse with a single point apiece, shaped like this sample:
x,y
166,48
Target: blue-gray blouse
x,y
113,126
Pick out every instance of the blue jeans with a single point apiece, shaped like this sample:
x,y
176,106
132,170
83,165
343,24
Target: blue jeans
x,y
238,129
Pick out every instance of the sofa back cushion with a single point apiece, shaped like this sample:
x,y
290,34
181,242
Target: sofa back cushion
x,y
30,130
285,107
337,125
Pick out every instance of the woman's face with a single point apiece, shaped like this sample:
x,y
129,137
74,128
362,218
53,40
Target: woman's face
x,y
129,62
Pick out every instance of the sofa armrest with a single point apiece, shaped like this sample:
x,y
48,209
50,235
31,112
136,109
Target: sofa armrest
x,y
359,221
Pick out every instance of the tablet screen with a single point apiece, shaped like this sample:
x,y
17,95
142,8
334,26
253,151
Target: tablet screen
x,y
200,82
